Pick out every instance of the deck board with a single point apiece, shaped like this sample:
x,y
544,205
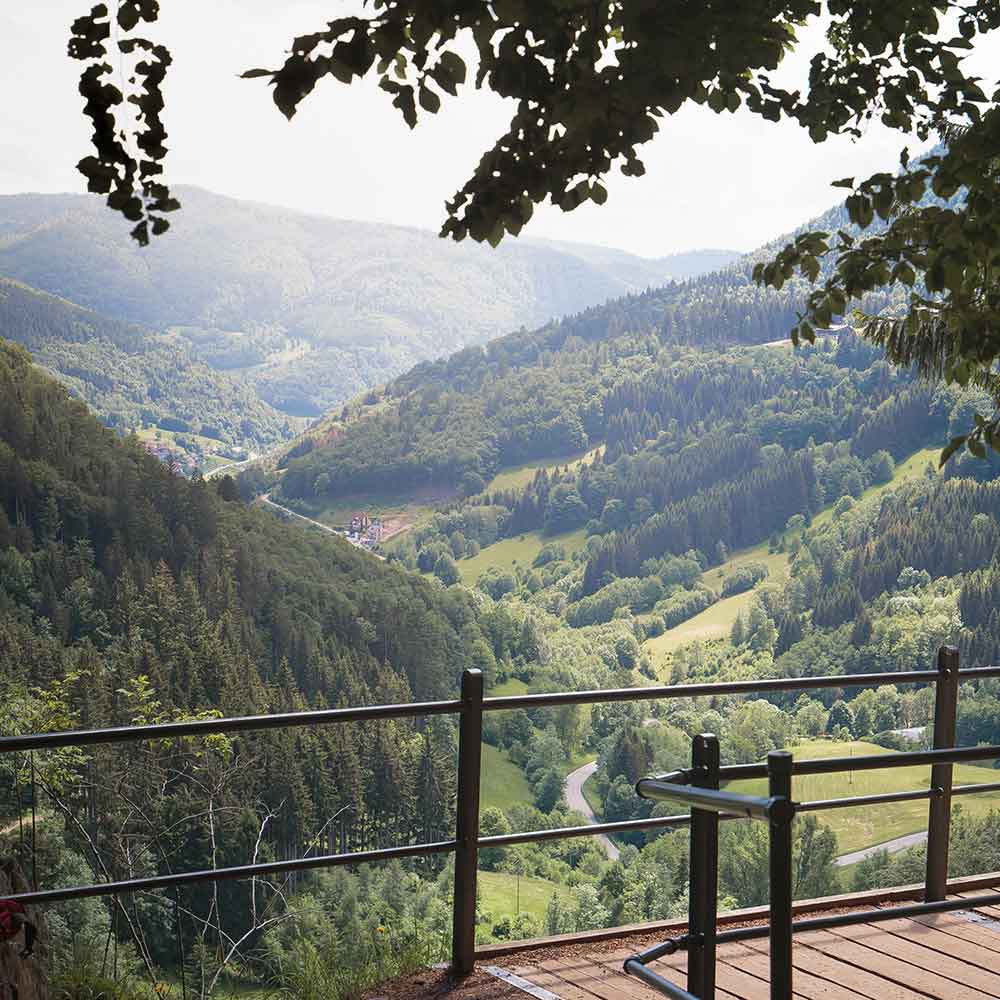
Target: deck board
x,y
964,928
861,981
942,956
967,981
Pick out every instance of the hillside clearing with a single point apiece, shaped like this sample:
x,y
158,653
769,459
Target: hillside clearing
x,y
503,783
518,476
715,622
521,551
862,826
505,895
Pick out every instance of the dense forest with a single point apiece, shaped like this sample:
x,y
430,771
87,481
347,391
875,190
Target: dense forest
x,y
697,502
133,379
129,594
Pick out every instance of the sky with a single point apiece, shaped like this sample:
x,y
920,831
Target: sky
x,y
729,181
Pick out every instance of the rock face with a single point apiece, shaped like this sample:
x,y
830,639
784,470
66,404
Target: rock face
x,y
21,978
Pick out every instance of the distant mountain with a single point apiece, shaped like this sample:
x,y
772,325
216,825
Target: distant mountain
x,y
310,310
135,379
548,393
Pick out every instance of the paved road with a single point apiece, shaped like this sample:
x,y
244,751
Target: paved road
x,y
575,800
899,844
230,465
265,498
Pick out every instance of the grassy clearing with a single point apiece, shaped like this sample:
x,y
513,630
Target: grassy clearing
x,y
520,551
509,688
910,468
716,621
503,783
337,512
519,476
501,893
864,826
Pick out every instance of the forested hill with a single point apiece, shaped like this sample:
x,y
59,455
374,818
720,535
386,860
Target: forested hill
x,y
132,378
92,528
310,309
548,393
128,592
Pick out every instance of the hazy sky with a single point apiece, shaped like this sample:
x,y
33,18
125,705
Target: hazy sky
x,y
712,181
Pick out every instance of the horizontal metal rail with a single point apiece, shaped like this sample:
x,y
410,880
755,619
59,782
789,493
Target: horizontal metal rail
x,y
993,786
870,800
869,762
238,872
237,724
507,703
747,806
207,727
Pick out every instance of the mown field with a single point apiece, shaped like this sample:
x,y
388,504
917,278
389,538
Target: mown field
x,y
500,894
502,782
521,551
716,621
518,476
858,827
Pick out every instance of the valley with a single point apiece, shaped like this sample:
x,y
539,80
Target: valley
x,y
653,490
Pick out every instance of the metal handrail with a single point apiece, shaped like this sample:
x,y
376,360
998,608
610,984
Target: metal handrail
x,y
702,938
470,708
869,762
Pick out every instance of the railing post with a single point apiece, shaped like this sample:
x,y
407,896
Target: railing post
x,y
779,780
470,744
939,813
703,885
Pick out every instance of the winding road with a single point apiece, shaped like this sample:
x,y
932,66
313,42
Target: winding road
x,y
575,799
898,844
573,793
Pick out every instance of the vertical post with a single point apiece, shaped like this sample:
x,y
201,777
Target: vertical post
x,y
939,812
470,745
779,779
704,872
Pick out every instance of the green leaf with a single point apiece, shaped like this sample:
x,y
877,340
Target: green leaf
x,y
429,101
950,448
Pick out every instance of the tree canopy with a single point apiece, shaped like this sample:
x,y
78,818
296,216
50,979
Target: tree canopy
x,y
592,80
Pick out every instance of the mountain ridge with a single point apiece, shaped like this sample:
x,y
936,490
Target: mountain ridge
x,y
308,309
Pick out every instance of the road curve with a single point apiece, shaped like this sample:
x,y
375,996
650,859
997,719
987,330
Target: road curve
x,y
575,799
892,846
265,498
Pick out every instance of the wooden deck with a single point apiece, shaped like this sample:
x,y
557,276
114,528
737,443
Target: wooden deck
x,y
950,956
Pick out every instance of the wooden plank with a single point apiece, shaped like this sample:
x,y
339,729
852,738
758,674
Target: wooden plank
x,y
923,957
960,926
956,948
672,967
990,911
519,983
866,948
806,984
598,980
851,900
553,983
860,981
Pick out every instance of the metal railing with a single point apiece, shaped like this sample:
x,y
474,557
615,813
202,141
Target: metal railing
x,y
706,800
698,787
